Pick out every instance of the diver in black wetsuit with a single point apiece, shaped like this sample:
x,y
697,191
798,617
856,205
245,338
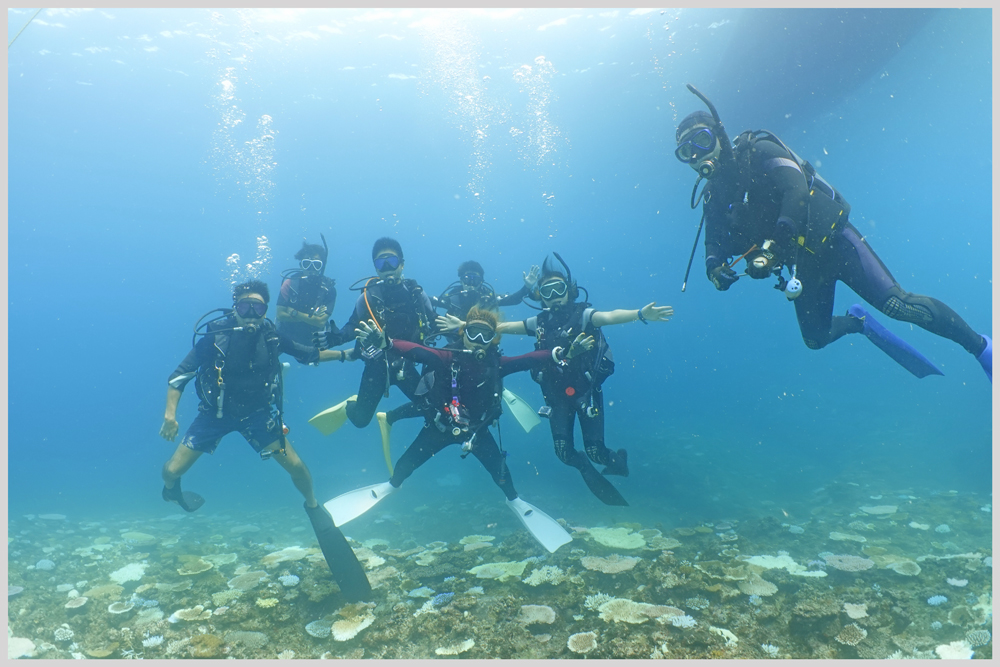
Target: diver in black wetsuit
x,y
573,385
472,290
237,373
403,311
765,203
307,295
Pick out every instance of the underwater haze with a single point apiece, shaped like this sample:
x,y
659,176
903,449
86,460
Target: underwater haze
x,y
157,157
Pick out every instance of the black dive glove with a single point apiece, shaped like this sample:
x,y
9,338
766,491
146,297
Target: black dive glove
x,y
722,277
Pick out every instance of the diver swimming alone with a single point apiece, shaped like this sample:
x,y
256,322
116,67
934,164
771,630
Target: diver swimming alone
x,y
764,203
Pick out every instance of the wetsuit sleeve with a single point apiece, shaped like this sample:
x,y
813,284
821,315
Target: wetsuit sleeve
x,y
788,187
188,368
420,354
513,299
304,354
524,362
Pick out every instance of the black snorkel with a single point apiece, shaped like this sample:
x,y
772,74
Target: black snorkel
x,y
707,171
326,255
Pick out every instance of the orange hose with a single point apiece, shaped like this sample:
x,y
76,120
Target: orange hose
x,y
375,319
752,248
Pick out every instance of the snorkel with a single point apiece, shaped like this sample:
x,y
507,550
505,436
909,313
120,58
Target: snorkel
x,y
707,171
326,254
708,168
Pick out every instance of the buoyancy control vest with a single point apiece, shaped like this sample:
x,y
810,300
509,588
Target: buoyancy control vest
x,y
399,310
452,398
212,378
306,295
828,210
586,371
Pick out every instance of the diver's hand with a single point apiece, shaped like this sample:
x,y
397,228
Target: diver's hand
x,y
531,277
320,312
722,277
761,266
320,340
370,335
169,429
449,323
653,313
581,343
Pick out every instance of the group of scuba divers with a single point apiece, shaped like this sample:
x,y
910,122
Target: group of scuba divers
x,y
762,203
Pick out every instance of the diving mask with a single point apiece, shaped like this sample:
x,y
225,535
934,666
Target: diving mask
x,y
480,333
314,264
472,279
387,263
244,308
552,290
700,149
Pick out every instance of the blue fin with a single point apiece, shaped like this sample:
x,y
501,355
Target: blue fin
x,y
985,358
902,352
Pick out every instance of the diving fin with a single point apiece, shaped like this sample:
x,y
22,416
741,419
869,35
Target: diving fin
x,y
599,484
522,412
985,358
344,566
542,527
385,428
351,505
901,352
333,418
188,500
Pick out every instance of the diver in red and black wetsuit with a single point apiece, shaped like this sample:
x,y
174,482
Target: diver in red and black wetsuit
x,y
464,386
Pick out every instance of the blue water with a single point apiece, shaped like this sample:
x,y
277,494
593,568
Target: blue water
x,y
131,183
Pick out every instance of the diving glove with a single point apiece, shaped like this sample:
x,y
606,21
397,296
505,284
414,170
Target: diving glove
x,y
722,277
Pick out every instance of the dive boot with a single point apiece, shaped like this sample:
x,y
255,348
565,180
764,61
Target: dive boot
x,y
188,500
617,464
331,419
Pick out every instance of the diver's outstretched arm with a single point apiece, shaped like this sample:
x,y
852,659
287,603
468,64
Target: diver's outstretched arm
x,y
648,313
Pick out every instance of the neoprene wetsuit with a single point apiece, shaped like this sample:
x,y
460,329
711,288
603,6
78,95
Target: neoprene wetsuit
x,y
479,387
404,312
767,196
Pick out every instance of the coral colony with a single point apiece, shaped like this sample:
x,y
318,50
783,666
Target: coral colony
x,y
868,581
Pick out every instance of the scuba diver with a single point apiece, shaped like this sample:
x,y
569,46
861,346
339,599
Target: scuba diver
x,y
458,298
398,306
765,203
572,387
471,290
463,383
237,372
307,296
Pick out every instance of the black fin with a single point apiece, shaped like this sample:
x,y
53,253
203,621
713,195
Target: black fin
x,y
344,565
599,484
188,500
